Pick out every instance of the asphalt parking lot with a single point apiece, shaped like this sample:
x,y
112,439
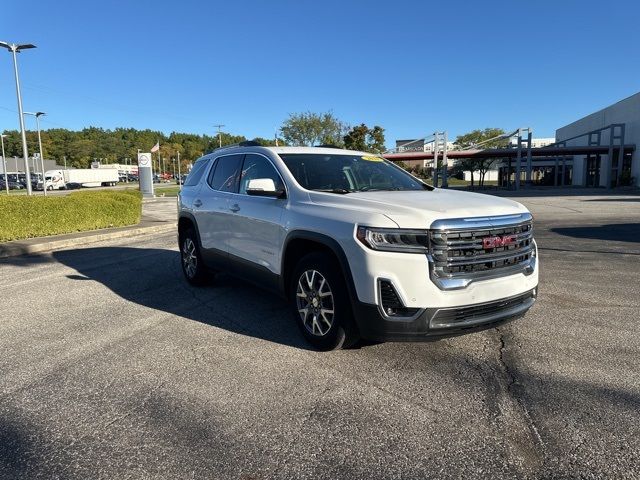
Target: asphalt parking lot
x,y
113,367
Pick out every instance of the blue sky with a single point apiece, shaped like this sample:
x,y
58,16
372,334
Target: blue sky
x,y
410,66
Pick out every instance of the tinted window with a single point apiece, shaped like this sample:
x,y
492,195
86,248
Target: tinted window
x,y
256,166
196,172
348,173
224,175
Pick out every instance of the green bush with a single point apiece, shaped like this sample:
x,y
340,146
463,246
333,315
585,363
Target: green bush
x,y
39,216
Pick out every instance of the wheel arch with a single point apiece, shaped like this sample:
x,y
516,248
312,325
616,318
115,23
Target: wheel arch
x,y
186,221
301,242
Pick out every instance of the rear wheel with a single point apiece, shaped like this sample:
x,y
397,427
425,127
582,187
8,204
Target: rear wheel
x,y
191,260
320,303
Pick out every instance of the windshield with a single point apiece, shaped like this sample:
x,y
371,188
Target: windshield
x,y
348,173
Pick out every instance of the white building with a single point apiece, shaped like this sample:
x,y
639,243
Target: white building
x,y
621,118
535,142
418,146
489,176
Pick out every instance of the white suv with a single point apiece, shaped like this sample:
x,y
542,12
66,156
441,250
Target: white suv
x,y
358,247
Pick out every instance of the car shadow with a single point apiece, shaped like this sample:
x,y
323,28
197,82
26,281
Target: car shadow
x,y
153,278
619,232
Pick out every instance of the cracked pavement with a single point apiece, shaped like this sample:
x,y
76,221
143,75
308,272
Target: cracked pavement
x,y
113,367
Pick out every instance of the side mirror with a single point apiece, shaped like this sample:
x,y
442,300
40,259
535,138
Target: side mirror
x,y
264,187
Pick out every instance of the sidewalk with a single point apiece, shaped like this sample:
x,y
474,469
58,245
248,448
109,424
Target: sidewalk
x,y
158,216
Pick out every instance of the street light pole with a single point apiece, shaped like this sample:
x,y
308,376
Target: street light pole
x,y
179,175
38,115
4,166
14,49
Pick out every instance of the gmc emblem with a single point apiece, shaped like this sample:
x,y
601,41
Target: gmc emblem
x,y
495,242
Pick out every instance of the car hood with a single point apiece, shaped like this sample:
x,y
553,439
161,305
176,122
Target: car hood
x,y
419,209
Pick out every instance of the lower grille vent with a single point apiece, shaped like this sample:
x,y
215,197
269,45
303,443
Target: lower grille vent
x,y
391,303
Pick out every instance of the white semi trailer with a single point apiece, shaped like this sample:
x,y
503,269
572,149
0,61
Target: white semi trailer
x,y
85,177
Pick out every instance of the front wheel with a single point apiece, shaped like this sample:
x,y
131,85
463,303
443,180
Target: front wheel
x,y
191,260
321,304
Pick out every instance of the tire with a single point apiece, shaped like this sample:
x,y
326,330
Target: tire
x,y
193,267
320,303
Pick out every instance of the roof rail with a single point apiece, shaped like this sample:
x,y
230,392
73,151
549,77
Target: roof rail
x,y
245,143
328,145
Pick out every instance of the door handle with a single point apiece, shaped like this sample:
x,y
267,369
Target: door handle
x,y
235,208
197,203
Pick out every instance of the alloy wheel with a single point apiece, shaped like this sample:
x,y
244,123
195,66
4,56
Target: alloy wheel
x,y
314,300
189,258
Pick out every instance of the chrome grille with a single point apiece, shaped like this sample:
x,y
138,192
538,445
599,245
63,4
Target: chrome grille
x,y
461,252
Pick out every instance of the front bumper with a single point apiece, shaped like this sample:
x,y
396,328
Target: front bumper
x,y
436,323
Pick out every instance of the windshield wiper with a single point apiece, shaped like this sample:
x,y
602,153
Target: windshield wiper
x,y
372,189
369,189
341,191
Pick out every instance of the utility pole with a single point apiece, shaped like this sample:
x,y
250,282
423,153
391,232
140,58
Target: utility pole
x,y
65,161
219,134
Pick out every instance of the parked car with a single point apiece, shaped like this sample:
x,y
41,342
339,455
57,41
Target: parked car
x,y
12,185
359,248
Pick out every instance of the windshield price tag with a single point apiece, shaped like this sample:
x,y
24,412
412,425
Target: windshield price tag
x,y
371,158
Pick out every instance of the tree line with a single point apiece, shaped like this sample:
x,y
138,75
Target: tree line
x,y
80,148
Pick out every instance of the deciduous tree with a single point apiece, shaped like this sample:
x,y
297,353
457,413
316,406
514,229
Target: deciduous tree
x,y
487,138
308,129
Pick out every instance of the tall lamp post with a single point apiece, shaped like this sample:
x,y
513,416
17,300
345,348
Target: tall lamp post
x,y
14,49
179,173
38,115
4,164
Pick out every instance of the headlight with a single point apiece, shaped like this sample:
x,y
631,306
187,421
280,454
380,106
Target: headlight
x,y
394,239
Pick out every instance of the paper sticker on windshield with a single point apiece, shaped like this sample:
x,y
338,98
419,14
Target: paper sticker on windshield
x,y
371,158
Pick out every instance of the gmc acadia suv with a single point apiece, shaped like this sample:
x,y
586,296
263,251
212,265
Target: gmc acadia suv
x,y
360,248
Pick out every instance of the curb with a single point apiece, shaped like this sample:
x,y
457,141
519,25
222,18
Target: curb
x,y
25,247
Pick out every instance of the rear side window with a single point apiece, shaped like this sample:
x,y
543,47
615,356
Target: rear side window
x,y
225,174
196,172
